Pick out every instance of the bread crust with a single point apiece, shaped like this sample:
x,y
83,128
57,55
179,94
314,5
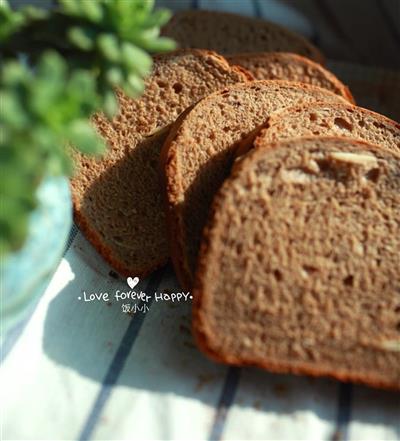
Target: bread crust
x,y
280,57
169,182
171,179
204,336
90,232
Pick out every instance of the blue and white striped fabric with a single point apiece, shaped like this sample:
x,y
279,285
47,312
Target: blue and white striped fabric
x,y
76,370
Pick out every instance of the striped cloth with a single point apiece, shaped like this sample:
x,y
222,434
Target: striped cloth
x,y
78,370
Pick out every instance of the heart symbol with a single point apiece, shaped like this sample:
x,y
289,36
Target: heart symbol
x,y
132,282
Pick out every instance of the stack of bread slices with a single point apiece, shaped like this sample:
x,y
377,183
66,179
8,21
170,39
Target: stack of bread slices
x,y
277,198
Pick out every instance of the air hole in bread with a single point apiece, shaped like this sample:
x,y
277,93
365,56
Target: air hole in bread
x,y
313,117
278,275
378,125
161,84
177,87
323,164
349,280
398,326
373,175
310,269
343,124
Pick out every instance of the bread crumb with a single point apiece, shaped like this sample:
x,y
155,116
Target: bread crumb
x,y
355,158
246,342
312,166
391,345
358,248
296,176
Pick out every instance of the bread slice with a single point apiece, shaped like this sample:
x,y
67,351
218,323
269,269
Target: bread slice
x,y
117,199
290,67
325,119
200,148
229,33
299,265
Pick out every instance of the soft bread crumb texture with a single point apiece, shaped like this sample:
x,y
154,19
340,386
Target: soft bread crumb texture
x,y
229,33
325,119
290,67
303,276
200,150
117,199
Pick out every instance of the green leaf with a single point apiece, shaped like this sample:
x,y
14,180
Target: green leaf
x,y
34,13
10,21
134,86
109,47
84,137
92,10
114,76
11,112
136,59
52,66
110,104
13,73
71,7
160,44
157,19
81,38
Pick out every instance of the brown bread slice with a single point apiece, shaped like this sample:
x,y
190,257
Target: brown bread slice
x,y
290,67
117,199
199,151
229,33
299,265
325,119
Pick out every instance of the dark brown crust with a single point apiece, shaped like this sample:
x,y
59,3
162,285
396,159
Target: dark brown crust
x,y
174,220
91,234
296,58
314,51
202,335
243,71
171,184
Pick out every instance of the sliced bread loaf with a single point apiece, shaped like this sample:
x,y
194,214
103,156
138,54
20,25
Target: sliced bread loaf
x,y
325,119
229,33
299,265
117,199
200,148
290,67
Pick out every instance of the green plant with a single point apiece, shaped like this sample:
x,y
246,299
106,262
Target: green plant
x,y
57,69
